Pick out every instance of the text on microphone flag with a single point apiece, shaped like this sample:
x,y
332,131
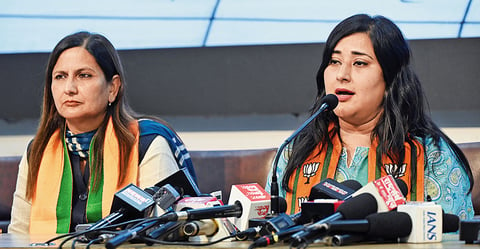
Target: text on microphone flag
x,y
134,195
253,191
389,191
335,188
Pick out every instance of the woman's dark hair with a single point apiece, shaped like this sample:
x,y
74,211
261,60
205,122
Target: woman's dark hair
x,y
405,107
109,61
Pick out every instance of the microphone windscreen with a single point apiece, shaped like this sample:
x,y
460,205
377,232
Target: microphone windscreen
x,y
389,225
450,223
353,184
358,207
331,100
282,205
330,189
402,186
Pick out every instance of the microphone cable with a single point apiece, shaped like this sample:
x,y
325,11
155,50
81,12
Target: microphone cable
x,y
183,243
76,236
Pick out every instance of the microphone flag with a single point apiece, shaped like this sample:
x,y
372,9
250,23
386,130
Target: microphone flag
x,y
427,221
255,201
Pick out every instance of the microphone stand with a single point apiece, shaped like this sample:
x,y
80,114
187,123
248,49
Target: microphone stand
x,y
274,191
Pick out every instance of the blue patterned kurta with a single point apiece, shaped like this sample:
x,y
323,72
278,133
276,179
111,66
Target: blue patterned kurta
x,y
446,182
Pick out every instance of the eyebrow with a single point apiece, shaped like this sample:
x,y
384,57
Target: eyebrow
x,y
77,70
353,52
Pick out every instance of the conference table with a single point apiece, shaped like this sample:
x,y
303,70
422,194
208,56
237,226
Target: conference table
x,y
450,241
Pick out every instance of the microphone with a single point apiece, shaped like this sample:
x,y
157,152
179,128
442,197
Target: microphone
x,y
375,227
329,102
357,207
187,215
398,230
167,232
255,203
234,210
311,211
208,227
331,189
127,205
383,192
349,210
386,192
451,223
279,226
385,225
130,202
167,196
325,197
427,220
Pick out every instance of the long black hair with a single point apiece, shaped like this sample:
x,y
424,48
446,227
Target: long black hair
x,y
405,108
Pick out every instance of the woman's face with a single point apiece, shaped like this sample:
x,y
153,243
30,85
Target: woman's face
x,y
355,76
80,90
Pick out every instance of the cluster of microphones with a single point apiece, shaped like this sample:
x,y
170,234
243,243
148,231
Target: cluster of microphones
x,y
334,214
174,211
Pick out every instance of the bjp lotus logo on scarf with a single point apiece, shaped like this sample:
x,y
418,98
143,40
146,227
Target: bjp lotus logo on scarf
x,y
302,200
310,170
395,170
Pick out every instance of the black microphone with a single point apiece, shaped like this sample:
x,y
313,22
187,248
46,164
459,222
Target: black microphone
x,y
187,215
329,102
331,189
234,210
402,186
127,205
349,210
385,225
450,222
325,197
131,202
168,231
276,227
357,207
377,227
167,196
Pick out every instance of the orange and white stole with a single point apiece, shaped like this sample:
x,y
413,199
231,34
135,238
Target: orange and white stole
x,y
51,202
322,163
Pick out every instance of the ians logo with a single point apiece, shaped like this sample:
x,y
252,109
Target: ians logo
x,y
394,170
310,170
431,226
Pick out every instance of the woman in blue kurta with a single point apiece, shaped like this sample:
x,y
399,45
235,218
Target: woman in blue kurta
x,y
380,126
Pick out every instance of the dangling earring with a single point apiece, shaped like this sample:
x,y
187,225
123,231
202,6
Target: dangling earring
x,y
109,103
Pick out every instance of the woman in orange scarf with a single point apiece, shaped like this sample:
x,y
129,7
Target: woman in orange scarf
x,y
379,127
87,144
